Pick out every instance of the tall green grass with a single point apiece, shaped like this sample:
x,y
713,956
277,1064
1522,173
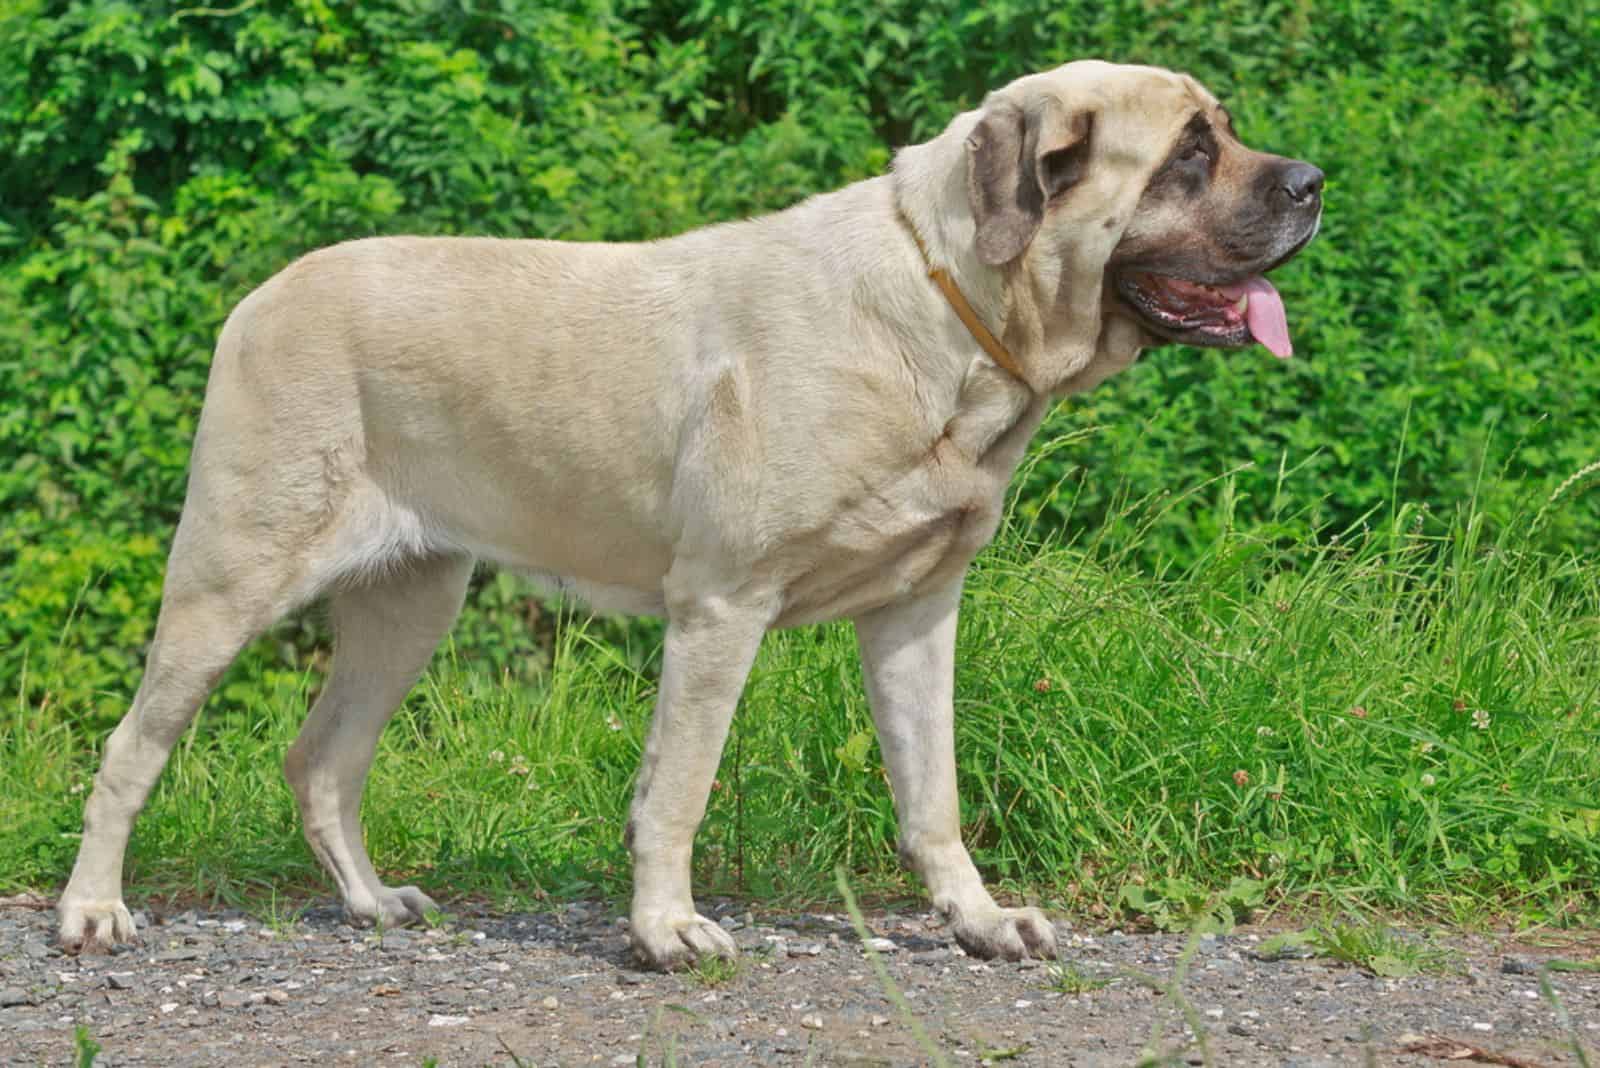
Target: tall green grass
x,y
1399,716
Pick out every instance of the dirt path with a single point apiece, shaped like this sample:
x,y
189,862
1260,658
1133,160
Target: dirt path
x,y
557,989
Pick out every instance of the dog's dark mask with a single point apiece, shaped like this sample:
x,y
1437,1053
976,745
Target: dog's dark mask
x,y
1213,220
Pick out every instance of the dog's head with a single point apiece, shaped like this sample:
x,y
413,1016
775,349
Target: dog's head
x,y
1122,211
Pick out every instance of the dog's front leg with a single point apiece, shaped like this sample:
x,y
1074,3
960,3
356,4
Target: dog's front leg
x,y
710,644
908,654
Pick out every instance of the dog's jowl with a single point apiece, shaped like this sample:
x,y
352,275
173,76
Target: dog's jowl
x,y
801,417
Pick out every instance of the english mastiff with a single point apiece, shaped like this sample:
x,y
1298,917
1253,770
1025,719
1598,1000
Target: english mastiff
x,y
795,418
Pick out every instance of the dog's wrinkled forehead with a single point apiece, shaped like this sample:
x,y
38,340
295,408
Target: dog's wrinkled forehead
x,y
1138,111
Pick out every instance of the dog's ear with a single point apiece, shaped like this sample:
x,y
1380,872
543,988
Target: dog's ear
x,y
1018,160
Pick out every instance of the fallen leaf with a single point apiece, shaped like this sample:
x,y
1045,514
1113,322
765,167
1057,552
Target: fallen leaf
x,y
1450,1049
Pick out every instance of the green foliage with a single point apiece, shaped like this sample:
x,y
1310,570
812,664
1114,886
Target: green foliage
x,y
714,971
85,1047
1559,964
1065,978
1379,949
1176,903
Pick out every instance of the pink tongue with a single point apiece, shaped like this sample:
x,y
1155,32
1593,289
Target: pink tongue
x,y
1264,315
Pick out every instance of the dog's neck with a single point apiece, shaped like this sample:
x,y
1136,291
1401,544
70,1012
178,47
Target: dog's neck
x,y
967,314
1021,303
929,184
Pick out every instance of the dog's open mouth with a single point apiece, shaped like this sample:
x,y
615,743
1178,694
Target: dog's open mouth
x,y
1197,314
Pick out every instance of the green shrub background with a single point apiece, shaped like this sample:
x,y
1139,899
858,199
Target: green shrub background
x,y
157,161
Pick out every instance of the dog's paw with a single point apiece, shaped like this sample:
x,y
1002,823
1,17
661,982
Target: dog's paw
x,y
94,926
394,906
665,944
1007,934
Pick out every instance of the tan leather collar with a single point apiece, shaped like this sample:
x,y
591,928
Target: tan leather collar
x,y
969,318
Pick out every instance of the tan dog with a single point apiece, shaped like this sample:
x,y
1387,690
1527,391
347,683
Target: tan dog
x,y
754,425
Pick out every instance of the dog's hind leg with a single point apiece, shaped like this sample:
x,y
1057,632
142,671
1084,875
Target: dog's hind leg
x,y
212,604
385,632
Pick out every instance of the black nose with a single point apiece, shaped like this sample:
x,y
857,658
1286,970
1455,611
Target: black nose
x,y
1301,183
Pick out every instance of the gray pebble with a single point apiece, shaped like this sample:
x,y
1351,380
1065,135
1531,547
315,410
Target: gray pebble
x,y
172,956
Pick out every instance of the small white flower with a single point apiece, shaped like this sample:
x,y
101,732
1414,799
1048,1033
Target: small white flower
x,y
496,757
1428,779
1264,732
1425,747
1480,719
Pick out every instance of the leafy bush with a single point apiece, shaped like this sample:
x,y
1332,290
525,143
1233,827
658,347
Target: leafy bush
x,y
157,161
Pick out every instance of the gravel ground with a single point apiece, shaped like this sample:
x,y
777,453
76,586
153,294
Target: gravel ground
x,y
208,988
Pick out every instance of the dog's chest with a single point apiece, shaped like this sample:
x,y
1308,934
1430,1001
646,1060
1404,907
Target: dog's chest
x,y
914,527
913,535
